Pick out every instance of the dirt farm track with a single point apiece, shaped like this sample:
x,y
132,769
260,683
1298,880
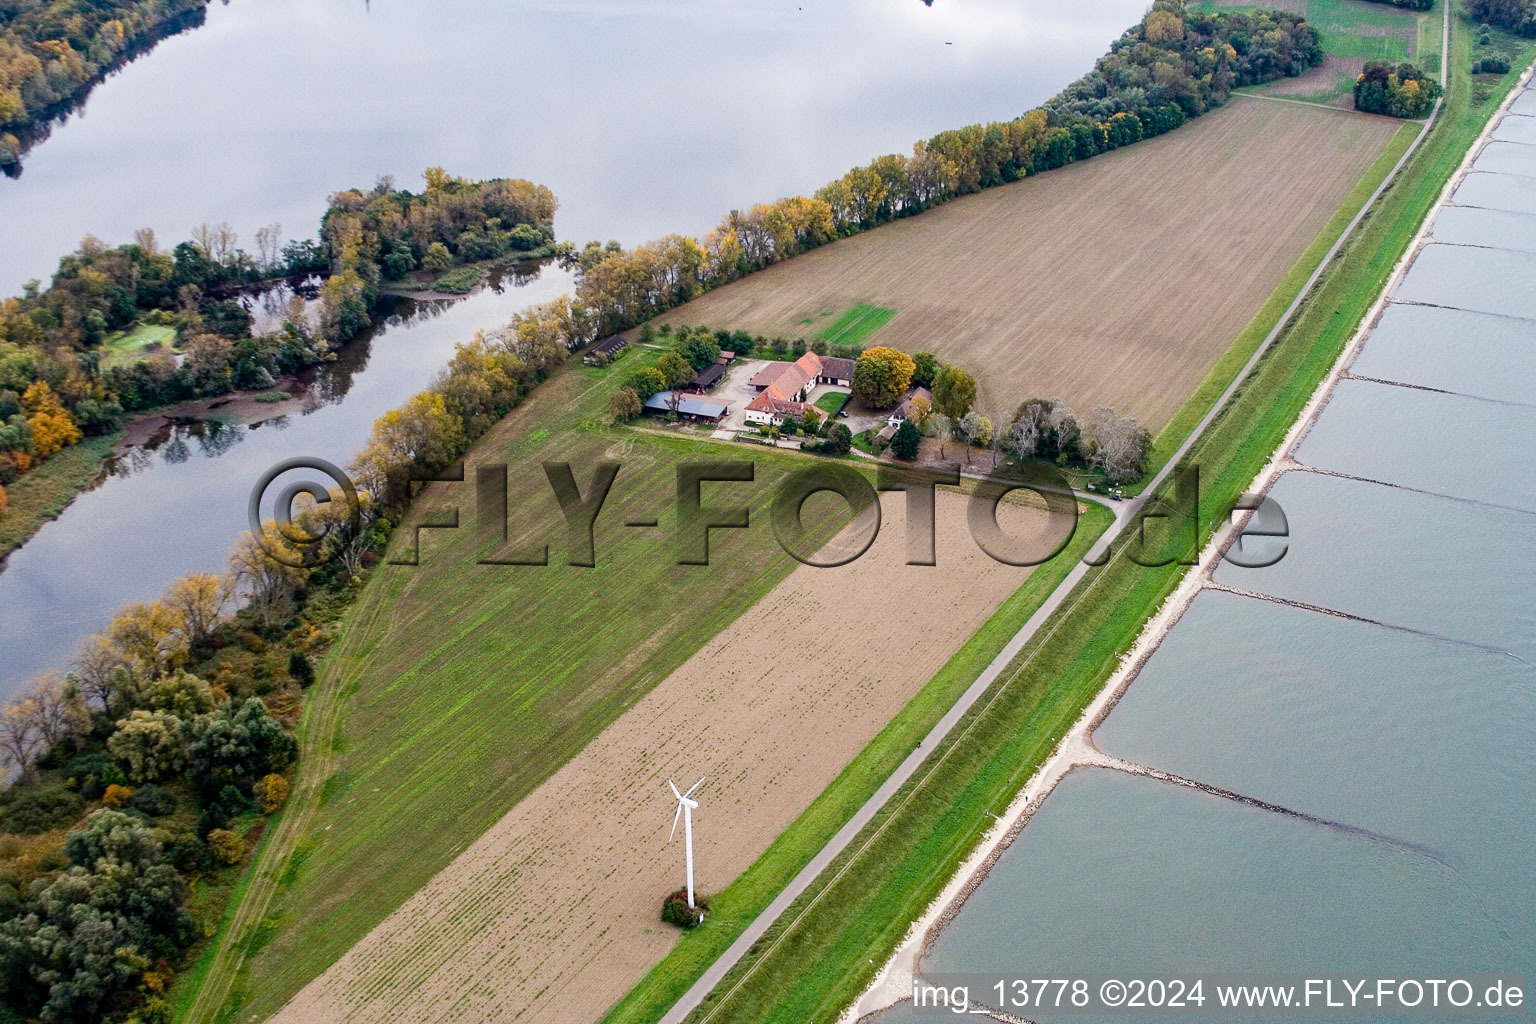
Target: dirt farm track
x,y
552,915
1117,281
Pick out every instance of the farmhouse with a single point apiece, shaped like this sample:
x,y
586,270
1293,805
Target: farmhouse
x,y
605,351
772,406
804,373
904,410
689,407
835,371
790,380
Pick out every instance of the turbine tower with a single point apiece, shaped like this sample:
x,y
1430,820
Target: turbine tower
x,y
685,806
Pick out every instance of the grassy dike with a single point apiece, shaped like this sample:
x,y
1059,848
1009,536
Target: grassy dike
x,y
826,949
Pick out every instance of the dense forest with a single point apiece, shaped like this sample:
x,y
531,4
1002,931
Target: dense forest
x,y
71,361
1398,90
1517,16
1174,65
53,51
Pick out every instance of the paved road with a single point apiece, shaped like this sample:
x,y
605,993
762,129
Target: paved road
x,y
1126,513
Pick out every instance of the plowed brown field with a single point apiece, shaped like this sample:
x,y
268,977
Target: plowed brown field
x,y
551,916
1117,281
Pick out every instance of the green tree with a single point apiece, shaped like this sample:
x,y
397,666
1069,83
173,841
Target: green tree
x,y
905,443
82,941
625,405
150,744
647,382
700,350
235,744
674,369
437,258
954,391
925,365
881,376
839,440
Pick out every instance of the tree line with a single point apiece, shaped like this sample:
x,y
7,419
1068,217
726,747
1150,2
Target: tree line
x,y
171,737
53,51
57,375
1517,16
161,751
1174,65
1039,428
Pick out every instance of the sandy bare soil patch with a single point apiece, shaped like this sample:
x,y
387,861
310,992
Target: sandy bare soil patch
x,y
1117,281
552,915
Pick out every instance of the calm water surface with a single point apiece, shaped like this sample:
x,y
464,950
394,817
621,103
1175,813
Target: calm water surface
x,y
644,117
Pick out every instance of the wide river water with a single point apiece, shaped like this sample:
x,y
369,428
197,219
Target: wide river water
x,y
1380,680
644,117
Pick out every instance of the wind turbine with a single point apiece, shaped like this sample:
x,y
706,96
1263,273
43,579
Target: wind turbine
x,y
685,806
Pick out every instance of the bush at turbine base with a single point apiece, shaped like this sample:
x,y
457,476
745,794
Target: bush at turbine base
x,y
675,909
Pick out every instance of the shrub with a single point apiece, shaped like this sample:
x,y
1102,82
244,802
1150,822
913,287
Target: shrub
x,y
153,801
270,792
839,440
1491,66
675,909
437,257
300,670
116,796
458,281
226,847
93,773
40,809
186,852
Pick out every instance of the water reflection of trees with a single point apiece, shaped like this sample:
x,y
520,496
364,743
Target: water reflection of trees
x,y
328,383
37,132
173,444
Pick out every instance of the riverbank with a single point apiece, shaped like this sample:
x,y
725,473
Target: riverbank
x,y
40,496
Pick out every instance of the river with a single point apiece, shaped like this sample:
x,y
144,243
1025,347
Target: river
x,y
643,117
1379,681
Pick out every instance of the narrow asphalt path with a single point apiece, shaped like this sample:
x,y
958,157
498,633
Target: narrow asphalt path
x,y
1126,514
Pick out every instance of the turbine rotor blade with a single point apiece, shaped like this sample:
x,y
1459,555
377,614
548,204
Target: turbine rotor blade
x,y
674,790
696,785
679,814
